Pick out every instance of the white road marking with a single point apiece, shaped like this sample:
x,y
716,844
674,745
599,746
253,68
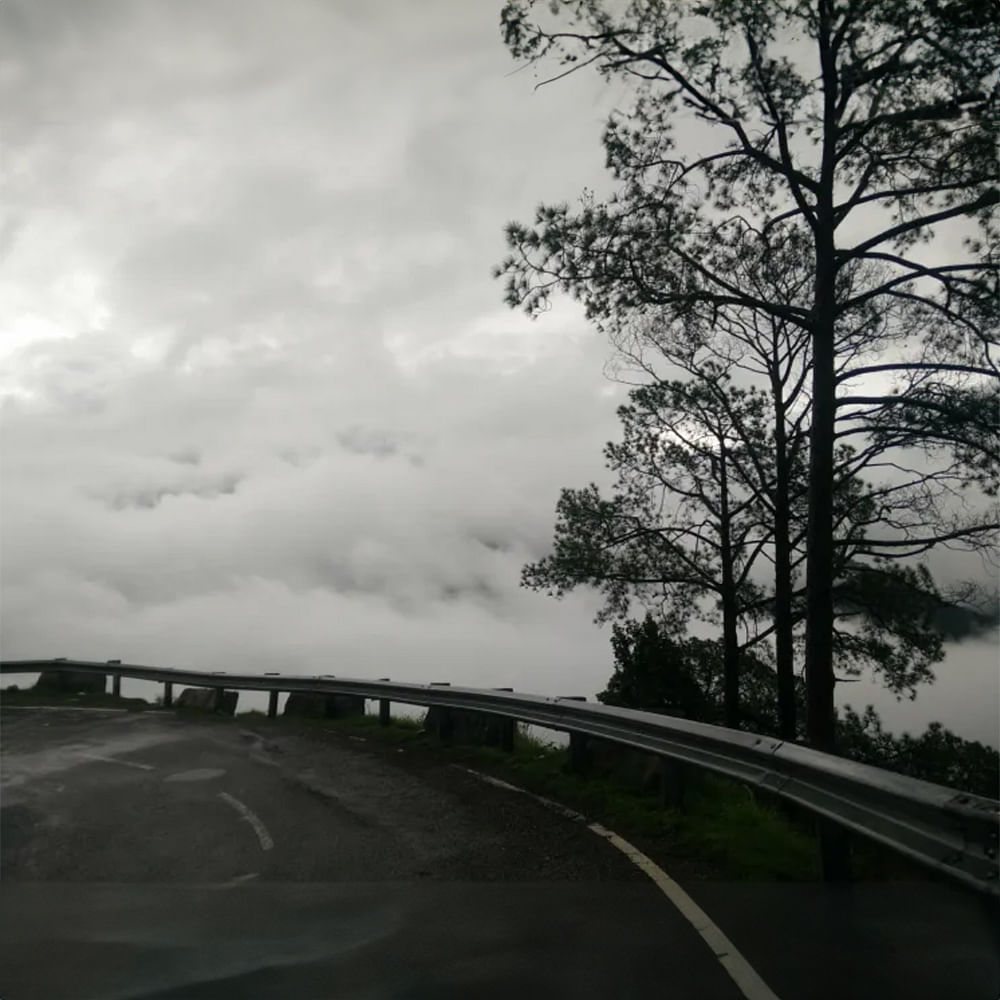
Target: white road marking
x,y
266,843
197,774
60,708
117,760
20,769
548,803
739,969
262,759
235,881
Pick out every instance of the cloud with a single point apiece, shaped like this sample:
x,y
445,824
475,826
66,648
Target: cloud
x,y
262,406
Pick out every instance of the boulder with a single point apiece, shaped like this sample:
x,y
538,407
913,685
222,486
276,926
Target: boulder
x,y
208,700
72,682
310,706
323,706
464,726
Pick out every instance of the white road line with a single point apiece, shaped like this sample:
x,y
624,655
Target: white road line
x,y
548,803
261,759
59,708
116,760
266,843
739,969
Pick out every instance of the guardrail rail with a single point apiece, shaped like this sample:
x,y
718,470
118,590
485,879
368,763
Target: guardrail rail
x,y
952,832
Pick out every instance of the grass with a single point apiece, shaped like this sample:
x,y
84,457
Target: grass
x,y
722,826
731,830
748,838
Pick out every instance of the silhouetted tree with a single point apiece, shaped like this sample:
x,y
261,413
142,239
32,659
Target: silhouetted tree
x,y
864,126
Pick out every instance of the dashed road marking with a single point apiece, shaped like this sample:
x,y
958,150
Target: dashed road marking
x,y
266,843
62,708
116,760
739,969
196,774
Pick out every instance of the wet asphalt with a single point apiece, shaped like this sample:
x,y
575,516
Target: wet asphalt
x,y
148,856
145,856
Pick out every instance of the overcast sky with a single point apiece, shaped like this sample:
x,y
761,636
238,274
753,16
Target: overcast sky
x,y
263,407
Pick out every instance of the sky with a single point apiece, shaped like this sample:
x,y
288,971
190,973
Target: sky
x,y
262,405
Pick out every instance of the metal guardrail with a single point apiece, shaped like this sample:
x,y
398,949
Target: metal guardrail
x,y
950,831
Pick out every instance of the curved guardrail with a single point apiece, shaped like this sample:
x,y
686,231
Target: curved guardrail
x,y
953,832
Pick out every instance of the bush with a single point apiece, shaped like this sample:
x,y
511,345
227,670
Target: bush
x,y
937,755
679,676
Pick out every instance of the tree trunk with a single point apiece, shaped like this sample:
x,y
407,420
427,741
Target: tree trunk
x,y
784,648
820,710
819,537
819,532
730,638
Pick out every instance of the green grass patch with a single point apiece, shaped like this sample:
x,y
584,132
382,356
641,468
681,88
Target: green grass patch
x,y
728,824
402,729
721,822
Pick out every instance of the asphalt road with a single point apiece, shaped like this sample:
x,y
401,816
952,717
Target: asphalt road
x,y
145,856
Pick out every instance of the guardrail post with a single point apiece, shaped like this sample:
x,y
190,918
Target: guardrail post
x,y
384,708
508,727
116,679
272,704
579,749
168,694
834,850
445,722
578,753
671,783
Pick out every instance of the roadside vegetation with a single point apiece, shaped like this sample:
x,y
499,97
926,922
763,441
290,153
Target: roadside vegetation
x,y
722,830
812,407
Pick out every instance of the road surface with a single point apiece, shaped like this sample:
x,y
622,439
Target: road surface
x,y
146,856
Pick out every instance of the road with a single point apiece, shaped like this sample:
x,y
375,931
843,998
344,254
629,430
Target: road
x,y
145,856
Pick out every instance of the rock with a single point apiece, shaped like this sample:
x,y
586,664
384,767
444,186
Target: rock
x,y
464,726
208,700
72,682
323,706
311,706
348,704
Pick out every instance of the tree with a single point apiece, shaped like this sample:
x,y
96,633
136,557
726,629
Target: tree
x,y
660,672
690,520
682,523
937,755
657,672
913,509
865,141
